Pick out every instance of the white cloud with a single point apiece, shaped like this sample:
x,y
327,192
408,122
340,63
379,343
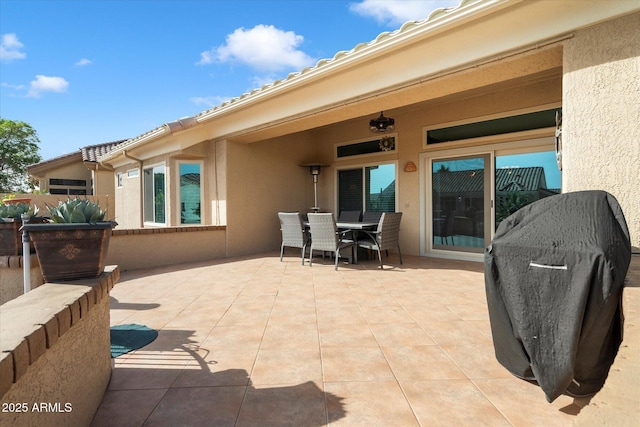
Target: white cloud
x,y
210,101
10,48
46,84
397,12
14,87
263,47
83,62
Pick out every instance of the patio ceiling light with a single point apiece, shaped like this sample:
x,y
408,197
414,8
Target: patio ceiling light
x,y
382,124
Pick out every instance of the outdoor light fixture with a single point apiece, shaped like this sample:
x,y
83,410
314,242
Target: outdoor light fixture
x,y
314,170
382,124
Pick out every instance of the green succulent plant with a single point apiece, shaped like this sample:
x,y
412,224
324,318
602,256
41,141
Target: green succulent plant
x,y
76,211
15,210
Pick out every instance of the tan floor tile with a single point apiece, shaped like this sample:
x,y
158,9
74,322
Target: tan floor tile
x,y
524,404
354,364
399,334
199,406
340,316
126,408
239,315
237,337
279,330
421,363
477,360
284,405
451,402
138,378
218,368
356,335
291,317
290,336
287,366
389,314
456,332
379,403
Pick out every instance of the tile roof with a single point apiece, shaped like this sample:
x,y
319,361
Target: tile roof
x,y
507,179
91,153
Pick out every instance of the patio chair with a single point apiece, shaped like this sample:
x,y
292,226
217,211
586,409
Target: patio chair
x,y
326,237
349,216
293,233
371,216
443,228
385,237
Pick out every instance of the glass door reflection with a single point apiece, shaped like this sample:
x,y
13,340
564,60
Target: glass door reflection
x,y
460,195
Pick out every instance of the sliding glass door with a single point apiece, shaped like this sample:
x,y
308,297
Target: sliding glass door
x,y
460,203
471,195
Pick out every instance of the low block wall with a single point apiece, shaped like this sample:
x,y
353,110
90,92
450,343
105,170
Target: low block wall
x,y
133,249
55,360
12,276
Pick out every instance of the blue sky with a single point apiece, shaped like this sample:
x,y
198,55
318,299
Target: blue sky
x,y
87,72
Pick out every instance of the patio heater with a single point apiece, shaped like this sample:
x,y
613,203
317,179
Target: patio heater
x,y
314,170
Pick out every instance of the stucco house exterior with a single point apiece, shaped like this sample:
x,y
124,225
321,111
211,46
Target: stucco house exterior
x,y
77,173
473,90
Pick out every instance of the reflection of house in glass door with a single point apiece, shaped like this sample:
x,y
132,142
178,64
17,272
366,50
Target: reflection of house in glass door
x,y
461,194
459,201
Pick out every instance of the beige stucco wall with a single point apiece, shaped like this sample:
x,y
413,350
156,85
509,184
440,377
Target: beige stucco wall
x,y
601,114
103,183
168,246
263,179
75,170
68,371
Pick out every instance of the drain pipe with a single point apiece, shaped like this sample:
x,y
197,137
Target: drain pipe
x,y
26,255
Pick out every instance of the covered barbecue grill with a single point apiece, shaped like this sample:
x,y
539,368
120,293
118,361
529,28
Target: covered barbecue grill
x,y
554,274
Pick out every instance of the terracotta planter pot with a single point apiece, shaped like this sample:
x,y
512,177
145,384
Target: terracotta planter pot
x,y
16,201
70,251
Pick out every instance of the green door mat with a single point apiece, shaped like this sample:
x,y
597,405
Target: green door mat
x,y
126,338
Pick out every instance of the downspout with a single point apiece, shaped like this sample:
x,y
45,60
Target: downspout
x,y
140,198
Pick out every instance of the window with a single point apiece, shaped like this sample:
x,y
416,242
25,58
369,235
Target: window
x,y
132,173
383,144
119,177
190,193
503,125
68,182
369,188
154,194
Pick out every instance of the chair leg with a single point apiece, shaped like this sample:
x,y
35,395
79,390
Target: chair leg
x,y
281,252
303,251
310,255
399,254
380,259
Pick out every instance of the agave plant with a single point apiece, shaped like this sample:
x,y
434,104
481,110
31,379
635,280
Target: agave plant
x,y
76,211
16,210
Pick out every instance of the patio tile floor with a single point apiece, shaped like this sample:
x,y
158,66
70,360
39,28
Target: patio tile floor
x,y
257,342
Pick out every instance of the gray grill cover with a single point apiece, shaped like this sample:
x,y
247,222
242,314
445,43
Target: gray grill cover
x,y
554,274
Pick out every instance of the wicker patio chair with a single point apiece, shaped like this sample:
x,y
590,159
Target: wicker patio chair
x,y
371,216
349,216
293,233
385,237
326,237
